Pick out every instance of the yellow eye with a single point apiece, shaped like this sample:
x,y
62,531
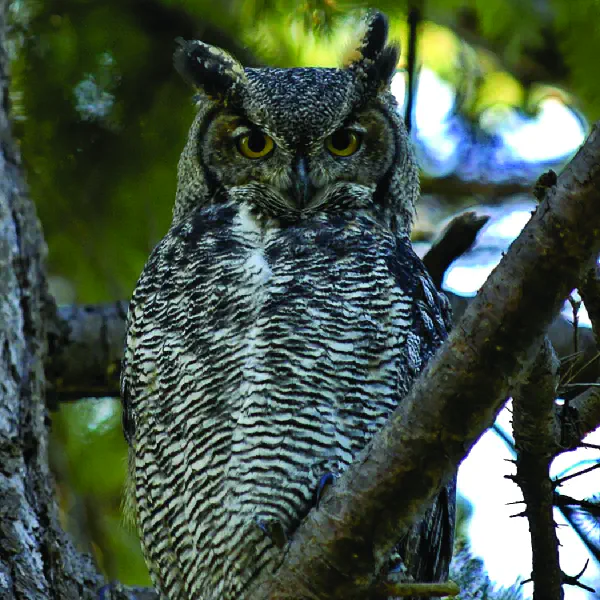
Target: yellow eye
x,y
344,142
255,144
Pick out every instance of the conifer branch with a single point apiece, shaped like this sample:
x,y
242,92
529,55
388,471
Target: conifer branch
x,y
533,429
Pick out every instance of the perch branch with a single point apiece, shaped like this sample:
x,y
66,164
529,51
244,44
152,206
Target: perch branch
x,y
339,549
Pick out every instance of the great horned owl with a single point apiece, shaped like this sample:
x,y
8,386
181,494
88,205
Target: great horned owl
x,y
279,322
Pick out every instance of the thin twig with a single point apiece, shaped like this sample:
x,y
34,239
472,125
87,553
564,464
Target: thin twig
x,y
575,306
574,579
592,508
592,446
562,480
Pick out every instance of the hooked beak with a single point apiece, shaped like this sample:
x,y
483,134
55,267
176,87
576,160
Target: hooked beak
x,y
301,187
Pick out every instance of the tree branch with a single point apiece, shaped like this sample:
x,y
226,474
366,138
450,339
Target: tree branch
x,y
533,428
458,236
339,548
86,347
453,186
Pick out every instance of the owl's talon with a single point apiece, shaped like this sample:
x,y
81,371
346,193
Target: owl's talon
x,y
397,566
115,591
262,526
273,529
103,591
325,481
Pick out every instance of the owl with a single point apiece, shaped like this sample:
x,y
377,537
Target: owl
x,y
280,320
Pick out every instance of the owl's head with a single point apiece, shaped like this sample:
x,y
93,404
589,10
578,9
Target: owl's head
x,y
289,143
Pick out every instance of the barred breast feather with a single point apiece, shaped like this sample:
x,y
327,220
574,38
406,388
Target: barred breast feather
x,y
258,359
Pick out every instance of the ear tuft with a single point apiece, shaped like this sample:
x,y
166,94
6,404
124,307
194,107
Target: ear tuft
x,y
387,63
373,61
210,69
375,36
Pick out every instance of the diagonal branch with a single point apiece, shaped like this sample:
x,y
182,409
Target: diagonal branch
x,y
458,236
339,548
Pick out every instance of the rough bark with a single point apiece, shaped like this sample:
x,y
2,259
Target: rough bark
x,y
37,561
338,548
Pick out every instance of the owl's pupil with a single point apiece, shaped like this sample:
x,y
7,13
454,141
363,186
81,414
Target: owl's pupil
x,y
340,140
256,142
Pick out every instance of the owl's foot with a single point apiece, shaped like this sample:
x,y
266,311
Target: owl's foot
x,y
118,591
273,529
325,481
113,591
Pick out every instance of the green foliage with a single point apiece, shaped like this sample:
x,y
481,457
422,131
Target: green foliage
x,y
578,29
89,461
102,116
100,139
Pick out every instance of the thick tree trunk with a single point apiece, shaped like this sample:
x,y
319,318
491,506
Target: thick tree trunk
x,y
37,561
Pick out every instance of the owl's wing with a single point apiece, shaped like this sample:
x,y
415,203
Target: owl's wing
x,y
436,537
139,393
427,548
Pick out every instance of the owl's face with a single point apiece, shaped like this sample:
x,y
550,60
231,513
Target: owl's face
x,y
299,144
293,142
